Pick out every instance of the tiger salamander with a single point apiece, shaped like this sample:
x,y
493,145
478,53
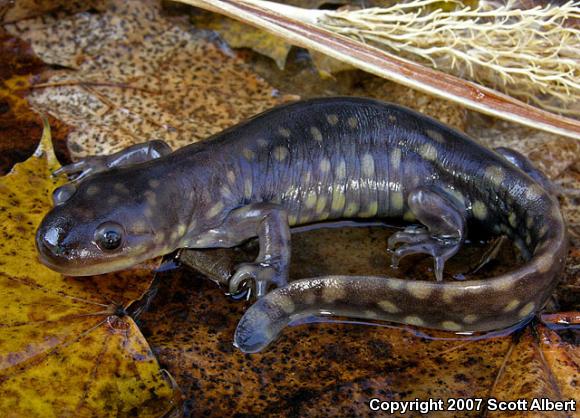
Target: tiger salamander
x,y
312,161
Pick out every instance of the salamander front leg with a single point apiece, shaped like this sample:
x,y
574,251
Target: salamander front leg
x,y
442,235
134,154
92,164
270,223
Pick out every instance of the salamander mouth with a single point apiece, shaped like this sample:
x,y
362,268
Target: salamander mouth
x,y
55,257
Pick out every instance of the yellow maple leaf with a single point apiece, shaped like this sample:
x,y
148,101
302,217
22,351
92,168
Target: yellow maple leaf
x,y
66,345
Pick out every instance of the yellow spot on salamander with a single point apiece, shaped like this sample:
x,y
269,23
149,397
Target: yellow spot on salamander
x,y
371,210
470,319
154,183
545,262
526,310
409,216
324,165
121,188
231,177
284,132
392,119
435,135
280,153
226,192
513,219
451,326
351,210
332,119
292,219
368,165
503,285
495,174
249,154
338,200
534,192
332,294
340,170
215,210
285,303
321,204
311,198
419,290
479,210
529,222
456,194
92,190
316,134
428,151
370,314
388,306
395,158
513,304
396,201
181,229
413,320
248,188
352,122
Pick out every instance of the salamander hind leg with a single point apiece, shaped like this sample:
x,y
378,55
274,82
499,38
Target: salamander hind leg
x,y
442,233
524,164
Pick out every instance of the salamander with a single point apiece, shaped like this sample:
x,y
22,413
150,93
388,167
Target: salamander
x,y
311,161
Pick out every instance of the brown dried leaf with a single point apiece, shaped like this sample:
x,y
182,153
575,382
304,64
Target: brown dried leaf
x,y
11,11
536,367
20,126
146,78
239,35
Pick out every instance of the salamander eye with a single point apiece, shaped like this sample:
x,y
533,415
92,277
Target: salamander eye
x,y
109,236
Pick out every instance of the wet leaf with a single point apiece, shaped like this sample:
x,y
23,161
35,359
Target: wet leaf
x,y
334,369
539,365
239,35
146,78
66,346
20,126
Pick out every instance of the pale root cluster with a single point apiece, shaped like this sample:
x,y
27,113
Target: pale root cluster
x,y
533,54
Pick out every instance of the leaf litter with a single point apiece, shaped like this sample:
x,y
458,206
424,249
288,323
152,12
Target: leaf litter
x,y
65,346
179,85
140,77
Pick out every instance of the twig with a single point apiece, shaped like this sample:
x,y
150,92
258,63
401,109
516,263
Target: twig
x,y
297,26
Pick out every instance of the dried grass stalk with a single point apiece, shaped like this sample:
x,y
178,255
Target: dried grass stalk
x,y
527,53
300,27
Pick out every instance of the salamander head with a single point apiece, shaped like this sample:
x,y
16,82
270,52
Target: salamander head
x,y
109,223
